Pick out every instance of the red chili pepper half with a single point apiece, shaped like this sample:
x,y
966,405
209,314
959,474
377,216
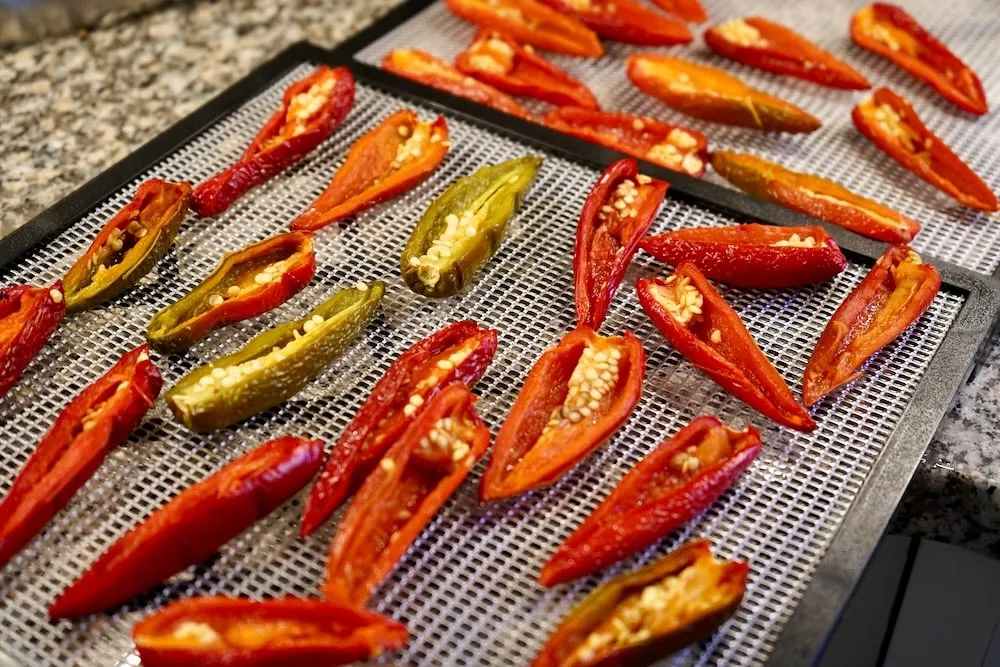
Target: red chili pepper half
x,y
897,290
504,64
577,395
311,109
412,481
892,33
688,10
640,618
890,123
625,21
28,317
461,352
234,632
531,23
697,321
616,215
94,423
672,146
752,256
391,159
187,530
670,486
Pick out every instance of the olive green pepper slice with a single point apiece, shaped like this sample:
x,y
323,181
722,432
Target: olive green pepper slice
x,y
464,226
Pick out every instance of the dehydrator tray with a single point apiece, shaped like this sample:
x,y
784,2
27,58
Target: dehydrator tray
x,y
806,514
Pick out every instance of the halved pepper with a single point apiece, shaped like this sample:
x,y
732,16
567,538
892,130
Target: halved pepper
x,y
616,215
532,23
274,365
498,60
672,146
814,195
129,245
28,317
247,283
890,123
310,110
577,395
461,352
752,256
464,227
892,33
711,94
236,632
687,10
90,426
187,530
413,480
625,21
697,321
642,617
389,160
897,290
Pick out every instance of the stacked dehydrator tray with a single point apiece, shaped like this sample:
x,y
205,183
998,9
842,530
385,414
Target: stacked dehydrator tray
x,y
806,515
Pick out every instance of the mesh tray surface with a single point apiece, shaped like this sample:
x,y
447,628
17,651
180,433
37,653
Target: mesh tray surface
x,y
467,587
837,151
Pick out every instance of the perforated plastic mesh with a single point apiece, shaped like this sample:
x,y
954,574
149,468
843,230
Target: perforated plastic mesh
x,y
836,150
467,587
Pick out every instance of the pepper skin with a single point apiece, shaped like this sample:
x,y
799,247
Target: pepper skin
x,y
577,395
890,123
94,423
625,21
897,290
310,111
617,214
697,321
461,352
187,529
391,159
129,246
235,632
814,196
247,283
275,365
752,256
711,94
892,33
28,317
529,22
687,10
464,227
412,481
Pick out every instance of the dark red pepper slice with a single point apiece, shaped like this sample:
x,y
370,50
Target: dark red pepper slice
x,y
687,10
531,23
28,317
625,21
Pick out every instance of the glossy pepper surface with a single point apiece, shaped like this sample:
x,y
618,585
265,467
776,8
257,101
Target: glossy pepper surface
x,y
897,290
460,352
463,228
187,530
129,245
576,396
691,11
625,21
310,110
275,365
28,317
530,22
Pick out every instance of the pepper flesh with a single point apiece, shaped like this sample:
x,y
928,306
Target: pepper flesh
x,y
897,290
463,228
617,214
688,10
413,480
28,318
890,123
245,284
461,352
643,617
235,632
672,146
711,94
129,245
576,396
752,256
529,22
625,21
814,196
88,428
893,34
697,321
274,365
389,160
310,111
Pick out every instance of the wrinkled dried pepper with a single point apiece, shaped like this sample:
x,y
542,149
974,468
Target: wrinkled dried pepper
x,y
625,21
531,23
28,317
